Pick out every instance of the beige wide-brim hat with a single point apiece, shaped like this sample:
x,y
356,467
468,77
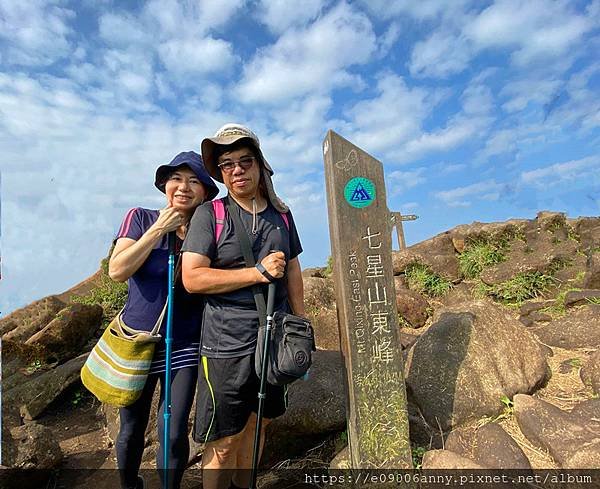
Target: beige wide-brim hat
x,y
232,133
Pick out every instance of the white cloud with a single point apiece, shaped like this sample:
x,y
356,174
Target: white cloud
x,y
457,131
281,15
563,173
36,32
71,167
400,181
462,196
422,10
216,13
440,55
537,28
541,31
122,30
197,56
309,60
522,92
449,168
393,117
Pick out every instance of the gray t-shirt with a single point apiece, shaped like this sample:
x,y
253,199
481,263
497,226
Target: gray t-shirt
x,y
230,321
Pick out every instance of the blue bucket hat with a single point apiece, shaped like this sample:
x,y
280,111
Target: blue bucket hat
x,y
194,162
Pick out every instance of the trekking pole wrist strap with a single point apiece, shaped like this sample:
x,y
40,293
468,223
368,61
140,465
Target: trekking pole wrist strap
x,y
263,271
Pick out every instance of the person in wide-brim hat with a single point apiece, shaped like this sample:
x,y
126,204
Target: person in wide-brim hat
x,y
214,264
236,134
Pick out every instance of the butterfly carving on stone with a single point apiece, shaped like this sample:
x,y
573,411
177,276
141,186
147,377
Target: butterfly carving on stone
x,y
348,162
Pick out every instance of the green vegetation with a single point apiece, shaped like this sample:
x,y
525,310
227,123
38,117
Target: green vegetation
x,y
417,456
79,396
402,321
478,255
384,433
575,362
572,235
558,309
110,295
593,300
421,278
507,412
329,267
525,285
520,288
34,366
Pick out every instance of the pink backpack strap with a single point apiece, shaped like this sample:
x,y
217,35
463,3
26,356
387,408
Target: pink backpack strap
x,y
219,209
286,220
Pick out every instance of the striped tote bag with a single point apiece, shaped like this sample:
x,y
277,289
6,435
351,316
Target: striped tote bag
x,y
117,367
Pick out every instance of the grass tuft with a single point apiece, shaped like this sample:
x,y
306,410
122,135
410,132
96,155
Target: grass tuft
x,y
422,279
520,288
108,294
478,255
328,272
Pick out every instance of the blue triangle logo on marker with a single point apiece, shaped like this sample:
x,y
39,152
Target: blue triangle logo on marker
x,y
360,194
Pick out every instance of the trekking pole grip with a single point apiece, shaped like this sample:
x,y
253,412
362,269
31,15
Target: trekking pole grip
x,y
271,299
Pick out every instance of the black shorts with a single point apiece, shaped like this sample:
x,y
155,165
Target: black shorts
x,y
227,394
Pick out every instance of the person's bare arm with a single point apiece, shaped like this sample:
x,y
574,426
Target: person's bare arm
x,y
295,286
129,254
199,278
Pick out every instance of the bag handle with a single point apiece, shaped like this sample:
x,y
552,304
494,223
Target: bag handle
x,y
242,235
132,333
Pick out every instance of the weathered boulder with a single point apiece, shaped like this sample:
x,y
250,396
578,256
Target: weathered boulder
x,y
315,407
590,373
529,307
437,252
19,362
35,395
319,300
34,447
588,230
489,446
446,459
318,272
579,328
26,321
457,295
459,369
68,332
591,280
341,461
411,305
487,231
581,297
573,439
547,255
325,325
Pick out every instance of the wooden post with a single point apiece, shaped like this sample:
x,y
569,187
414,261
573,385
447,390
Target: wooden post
x,y
361,239
397,219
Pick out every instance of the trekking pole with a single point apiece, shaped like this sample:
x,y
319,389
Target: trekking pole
x,y
168,345
262,392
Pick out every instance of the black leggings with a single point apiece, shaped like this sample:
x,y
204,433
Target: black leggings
x,y
134,419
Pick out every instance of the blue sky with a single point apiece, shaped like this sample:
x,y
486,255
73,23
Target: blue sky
x,y
479,110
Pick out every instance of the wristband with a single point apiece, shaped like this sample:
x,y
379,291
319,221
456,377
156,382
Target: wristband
x,y
263,271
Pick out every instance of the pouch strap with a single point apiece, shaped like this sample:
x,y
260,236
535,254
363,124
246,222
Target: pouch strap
x,y
242,235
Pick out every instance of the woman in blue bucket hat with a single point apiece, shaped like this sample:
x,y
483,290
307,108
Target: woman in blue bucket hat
x,y
140,256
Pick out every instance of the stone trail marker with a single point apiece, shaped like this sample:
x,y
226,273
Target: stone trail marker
x,y
360,227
